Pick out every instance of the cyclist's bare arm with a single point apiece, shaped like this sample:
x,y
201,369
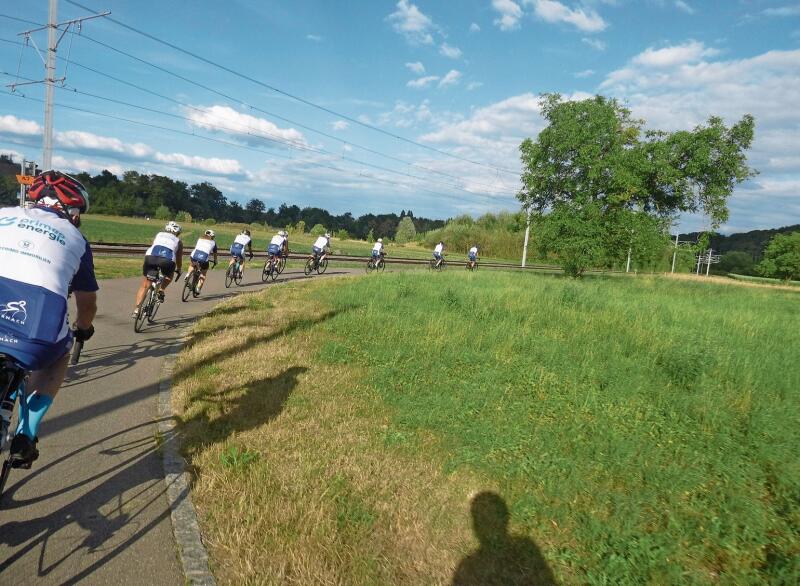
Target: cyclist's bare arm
x,y
86,302
179,255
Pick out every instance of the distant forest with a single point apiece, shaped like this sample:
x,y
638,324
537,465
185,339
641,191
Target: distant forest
x,y
158,196
751,243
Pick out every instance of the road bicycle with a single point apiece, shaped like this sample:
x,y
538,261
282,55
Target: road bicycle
x,y
314,263
190,285
14,401
472,265
376,265
273,267
438,266
234,273
148,308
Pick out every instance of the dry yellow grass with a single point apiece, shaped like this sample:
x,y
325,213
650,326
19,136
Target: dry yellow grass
x,y
726,281
327,501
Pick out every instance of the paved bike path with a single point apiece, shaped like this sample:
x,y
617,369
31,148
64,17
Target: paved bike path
x,y
93,507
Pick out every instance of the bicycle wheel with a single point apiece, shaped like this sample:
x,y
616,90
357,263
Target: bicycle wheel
x,y
140,317
195,284
265,272
188,287
153,310
370,265
4,474
309,267
443,266
229,276
322,266
281,264
275,272
237,278
381,265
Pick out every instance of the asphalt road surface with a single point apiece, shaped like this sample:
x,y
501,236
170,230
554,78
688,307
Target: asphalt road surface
x,y
93,507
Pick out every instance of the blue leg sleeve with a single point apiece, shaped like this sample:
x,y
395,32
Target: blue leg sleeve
x,y
37,406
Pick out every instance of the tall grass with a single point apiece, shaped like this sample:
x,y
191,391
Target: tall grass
x,y
639,430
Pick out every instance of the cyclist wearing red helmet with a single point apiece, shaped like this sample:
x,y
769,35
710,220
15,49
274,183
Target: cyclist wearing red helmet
x,y
42,256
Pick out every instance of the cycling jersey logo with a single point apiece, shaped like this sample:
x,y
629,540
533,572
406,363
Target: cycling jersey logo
x,y
14,311
25,244
7,221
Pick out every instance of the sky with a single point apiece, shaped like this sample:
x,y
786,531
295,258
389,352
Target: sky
x,y
409,104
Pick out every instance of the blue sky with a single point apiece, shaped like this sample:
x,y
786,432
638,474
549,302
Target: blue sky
x,y
461,77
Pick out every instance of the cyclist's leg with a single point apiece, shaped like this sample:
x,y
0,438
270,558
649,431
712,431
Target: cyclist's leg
x,y
168,270
202,279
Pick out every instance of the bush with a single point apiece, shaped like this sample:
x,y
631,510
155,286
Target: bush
x,y
318,230
209,221
370,236
163,213
782,257
342,235
300,227
406,232
737,262
184,217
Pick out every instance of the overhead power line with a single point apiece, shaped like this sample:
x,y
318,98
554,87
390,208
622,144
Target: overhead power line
x,y
294,96
245,147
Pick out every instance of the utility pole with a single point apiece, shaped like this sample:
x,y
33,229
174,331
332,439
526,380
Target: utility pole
x,y
525,245
628,264
675,253
49,81
21,185
708,266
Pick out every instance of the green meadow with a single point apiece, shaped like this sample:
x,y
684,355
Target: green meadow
x,y
638,430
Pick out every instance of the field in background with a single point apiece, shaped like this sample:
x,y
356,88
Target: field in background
x,y
638,430
119,229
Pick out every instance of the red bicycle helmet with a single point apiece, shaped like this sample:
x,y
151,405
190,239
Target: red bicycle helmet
x,y
67,190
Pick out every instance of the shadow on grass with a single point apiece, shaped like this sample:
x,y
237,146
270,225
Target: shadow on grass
x,y
260,402
501,558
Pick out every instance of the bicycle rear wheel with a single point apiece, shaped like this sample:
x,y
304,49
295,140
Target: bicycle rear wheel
x,y
322,266
142,314
195,284
381,265
153,308
237,277
188,288
281,264
265,272
370,265
229,276
309,267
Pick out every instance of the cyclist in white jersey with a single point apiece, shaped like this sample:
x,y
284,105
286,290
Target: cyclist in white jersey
x,y
438,253
43,256
166,254
377,250
279,245
321,246
241,244
472,255
205,248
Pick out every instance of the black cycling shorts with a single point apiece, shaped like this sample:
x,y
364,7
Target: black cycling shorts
x,y
153,263
202,264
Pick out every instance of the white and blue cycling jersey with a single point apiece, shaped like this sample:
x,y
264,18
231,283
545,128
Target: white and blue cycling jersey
x,y
239,244
165,245
276,245
41,253
204,248
473,253
377,249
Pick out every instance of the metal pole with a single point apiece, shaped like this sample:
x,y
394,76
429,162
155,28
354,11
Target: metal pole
x,y
50,75
628,264
22,186
674,253
525,246
708,265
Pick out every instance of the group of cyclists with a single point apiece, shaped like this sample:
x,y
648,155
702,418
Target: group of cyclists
x,y
45,259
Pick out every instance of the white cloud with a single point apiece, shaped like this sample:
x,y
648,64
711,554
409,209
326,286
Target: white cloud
x,y
78,140
451,78
552,11
410,22
509,14
790,10
689,52
416,67
449,51
595,44
212,166
340,125
249,128
585,73
473,85
315,38
10,124
681,5
422,82
474,28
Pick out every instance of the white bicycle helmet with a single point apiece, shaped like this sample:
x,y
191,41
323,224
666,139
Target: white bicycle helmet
x,y
327,235
380,240
210,233
172,228
283,233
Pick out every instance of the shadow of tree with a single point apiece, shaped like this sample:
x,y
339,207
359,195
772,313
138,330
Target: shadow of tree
x,y
501,558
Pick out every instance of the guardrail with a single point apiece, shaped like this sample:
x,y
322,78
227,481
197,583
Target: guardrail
x,y
119,249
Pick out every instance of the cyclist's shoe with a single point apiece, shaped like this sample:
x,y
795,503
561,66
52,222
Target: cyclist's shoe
x,y
135,313
23,451
161,297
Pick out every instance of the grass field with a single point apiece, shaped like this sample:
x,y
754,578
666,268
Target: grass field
x,y
118,229
374,430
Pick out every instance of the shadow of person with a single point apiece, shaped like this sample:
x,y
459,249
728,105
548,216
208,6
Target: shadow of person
x,y
501,558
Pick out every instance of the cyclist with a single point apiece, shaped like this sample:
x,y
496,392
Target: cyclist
x,y
473,255
42,252
278,246
241,244
438,253
206,246
166,253
377,251
321,247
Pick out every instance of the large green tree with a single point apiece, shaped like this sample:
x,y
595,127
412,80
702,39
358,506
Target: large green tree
x,y
782,257
600,185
